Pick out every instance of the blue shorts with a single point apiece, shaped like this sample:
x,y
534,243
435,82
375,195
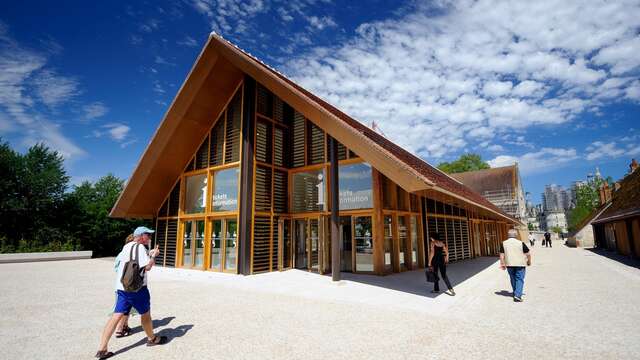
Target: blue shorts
x,y
139,300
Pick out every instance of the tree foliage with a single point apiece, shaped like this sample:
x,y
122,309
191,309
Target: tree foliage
x,y
466,162
38,213
587,200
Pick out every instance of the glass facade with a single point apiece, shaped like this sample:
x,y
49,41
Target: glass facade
x,y
363,237
231,244
195,194
309,191
225,190
355,186
216,244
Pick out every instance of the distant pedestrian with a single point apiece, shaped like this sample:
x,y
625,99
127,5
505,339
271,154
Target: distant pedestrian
x,y
438,260
514,257
140,299
547,239
532,239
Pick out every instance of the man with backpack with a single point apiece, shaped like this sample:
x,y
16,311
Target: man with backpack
x,y
131,285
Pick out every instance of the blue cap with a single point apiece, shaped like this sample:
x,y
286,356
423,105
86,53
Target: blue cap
x,y
142,230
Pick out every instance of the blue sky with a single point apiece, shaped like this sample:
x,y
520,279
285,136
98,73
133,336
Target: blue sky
x,y
553,86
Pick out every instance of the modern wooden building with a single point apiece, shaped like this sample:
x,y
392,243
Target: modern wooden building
x,y
248,172
618,226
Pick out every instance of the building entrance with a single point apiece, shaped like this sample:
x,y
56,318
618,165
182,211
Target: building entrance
x,y
306,234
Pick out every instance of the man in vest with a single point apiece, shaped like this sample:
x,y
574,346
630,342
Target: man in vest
x,y
514,257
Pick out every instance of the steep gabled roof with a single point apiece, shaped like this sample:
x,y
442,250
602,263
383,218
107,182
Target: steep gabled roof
x,y
407,170
589,219
493,179
625,202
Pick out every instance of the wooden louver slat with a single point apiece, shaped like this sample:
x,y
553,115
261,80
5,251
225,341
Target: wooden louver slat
x,y
217,142
315,143
163,209
160,234
174,200
264,101
202,156
263,189
280,192
298,140
279,146
274,247
261,244
232,135
170,252
263,142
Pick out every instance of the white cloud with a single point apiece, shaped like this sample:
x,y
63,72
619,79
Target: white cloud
x,y
26,83
320,23
188,41
116,131
54,89
162,61
544,160
94,110
610,150
478,69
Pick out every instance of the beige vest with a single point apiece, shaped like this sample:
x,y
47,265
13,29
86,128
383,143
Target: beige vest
x,y
513,254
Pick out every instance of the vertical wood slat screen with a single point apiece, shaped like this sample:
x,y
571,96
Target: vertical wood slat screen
x,y
217,142
280,189
163,209
313,224
174,200
261,244
264,105
459,244
464,228
279,146
432,228
274,247
315,147
449,228
202,156
298,140
170,252
278,109
263,189
191,165
161,228
234,116
263,142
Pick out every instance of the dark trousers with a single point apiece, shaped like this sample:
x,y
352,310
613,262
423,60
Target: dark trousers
x,y
442,268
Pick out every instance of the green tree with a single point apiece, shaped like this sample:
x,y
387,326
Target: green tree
x,y
587,200
466,162
33,186
556,229
93,228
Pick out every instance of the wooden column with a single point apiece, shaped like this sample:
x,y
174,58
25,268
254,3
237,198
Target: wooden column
x,y
378,223
334,187
245,220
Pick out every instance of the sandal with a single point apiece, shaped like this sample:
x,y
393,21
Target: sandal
x,y
157,340
104,354
126,331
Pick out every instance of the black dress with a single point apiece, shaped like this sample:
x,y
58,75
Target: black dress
x,y
439,265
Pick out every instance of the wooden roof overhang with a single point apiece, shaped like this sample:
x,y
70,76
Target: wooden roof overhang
x,y
217,71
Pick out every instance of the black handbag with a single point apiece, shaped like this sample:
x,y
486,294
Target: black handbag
x,y
431,275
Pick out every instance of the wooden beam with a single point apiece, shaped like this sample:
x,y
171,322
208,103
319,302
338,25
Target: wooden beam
x,y
378,223
245,223
334,187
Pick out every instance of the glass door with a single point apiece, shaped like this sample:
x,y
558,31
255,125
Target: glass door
x,y
346,260
402,239
388,243
193,243
300,235
362,231
224,235
313,243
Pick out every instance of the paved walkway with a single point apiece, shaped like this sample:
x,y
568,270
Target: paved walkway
x,y
578,304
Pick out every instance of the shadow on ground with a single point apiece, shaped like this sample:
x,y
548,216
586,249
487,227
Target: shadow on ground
x,y
623,259
170,333
414,282
156,323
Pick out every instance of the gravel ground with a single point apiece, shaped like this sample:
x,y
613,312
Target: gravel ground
x,y
577,305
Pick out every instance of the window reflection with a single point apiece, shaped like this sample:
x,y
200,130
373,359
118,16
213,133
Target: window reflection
x,y
308,191
355,186
364,243
414,239
195,194
225,190
402,237
216,244
186,244
231,244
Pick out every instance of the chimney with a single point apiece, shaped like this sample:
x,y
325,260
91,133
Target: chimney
x,y
605,193
633,166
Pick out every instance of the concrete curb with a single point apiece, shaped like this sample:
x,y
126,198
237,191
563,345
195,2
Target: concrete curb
x,y
44,256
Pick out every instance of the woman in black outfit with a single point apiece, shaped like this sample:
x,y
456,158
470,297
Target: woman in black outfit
x,y
438,260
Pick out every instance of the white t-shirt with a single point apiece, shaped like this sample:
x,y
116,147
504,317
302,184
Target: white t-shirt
x,y
123,258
